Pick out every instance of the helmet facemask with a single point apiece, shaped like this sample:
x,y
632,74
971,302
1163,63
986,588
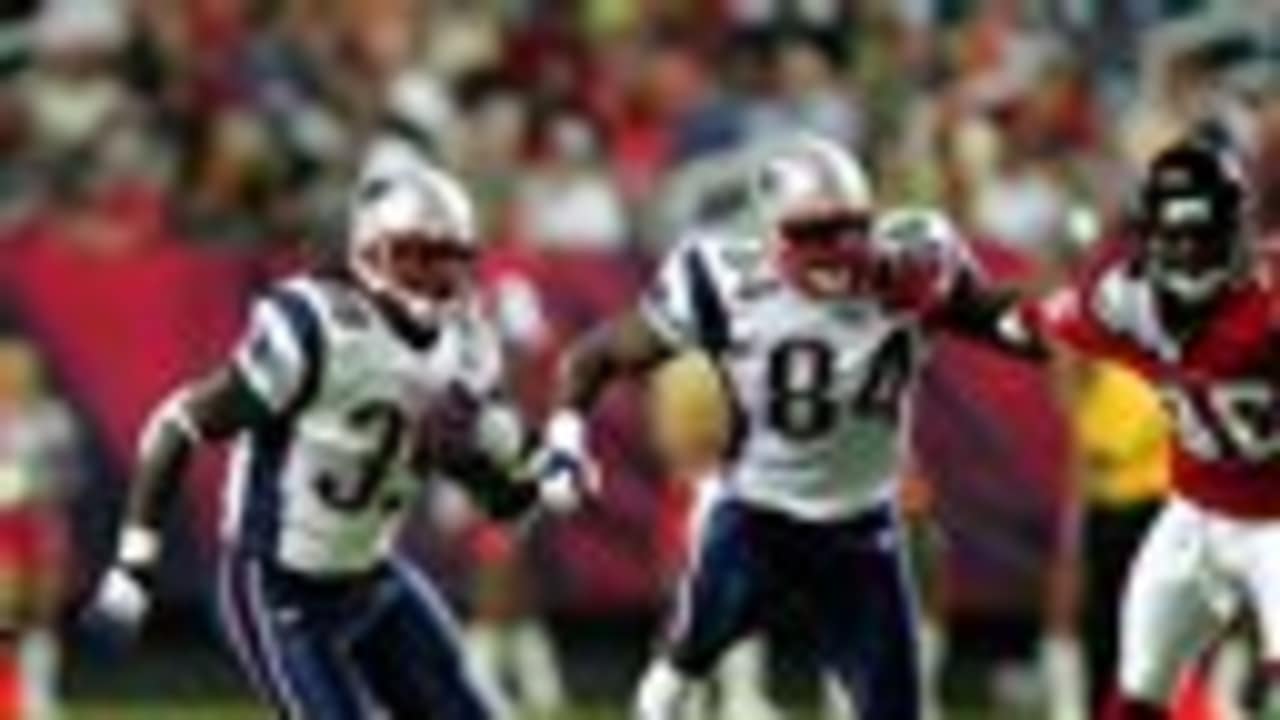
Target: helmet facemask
x,y
425,277
1189,256
826,253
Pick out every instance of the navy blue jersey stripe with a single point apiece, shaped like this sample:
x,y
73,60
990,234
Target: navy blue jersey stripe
x,y
269,446
739,425
708,309
268,453
304,321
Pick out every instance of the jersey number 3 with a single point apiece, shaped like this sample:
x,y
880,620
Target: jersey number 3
x,y
801,378
386,425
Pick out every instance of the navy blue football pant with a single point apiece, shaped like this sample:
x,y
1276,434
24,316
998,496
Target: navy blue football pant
x,y
848,578
346,649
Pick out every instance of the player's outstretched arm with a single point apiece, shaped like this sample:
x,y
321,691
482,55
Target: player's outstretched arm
x,y
624,346
621,347
923,268
991,316
208,409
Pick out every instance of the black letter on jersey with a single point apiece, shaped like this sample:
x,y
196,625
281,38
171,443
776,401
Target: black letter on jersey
x,y
387,424
800,374
887,376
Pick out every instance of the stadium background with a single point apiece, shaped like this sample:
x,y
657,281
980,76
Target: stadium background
x,y
162,160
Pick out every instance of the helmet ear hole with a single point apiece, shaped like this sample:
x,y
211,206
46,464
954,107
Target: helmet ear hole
x,y
372,190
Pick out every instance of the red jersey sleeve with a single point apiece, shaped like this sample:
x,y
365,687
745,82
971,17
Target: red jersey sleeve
x,y
1069,316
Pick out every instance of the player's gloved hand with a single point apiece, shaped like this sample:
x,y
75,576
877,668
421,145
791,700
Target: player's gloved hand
x,y
566,474
122,599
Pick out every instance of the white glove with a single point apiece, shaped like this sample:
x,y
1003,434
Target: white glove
x,y
566,474
120,603
122,599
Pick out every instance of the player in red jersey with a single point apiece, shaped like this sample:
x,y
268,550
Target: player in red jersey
x,y
1193,313
1197,317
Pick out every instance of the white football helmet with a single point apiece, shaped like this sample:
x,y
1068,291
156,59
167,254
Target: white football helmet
x,y
807,174
815,200
412,234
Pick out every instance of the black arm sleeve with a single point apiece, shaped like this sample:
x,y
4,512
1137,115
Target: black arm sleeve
x,y
493,487
624,346
449,444
976,312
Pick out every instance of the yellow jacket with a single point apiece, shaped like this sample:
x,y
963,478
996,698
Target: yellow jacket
x,y
1123,434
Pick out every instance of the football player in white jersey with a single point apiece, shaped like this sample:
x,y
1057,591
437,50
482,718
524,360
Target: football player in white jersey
x,y
817,371
347,388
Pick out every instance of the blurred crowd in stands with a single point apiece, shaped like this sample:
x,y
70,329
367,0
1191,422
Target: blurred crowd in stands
x,y
162,160
235,123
